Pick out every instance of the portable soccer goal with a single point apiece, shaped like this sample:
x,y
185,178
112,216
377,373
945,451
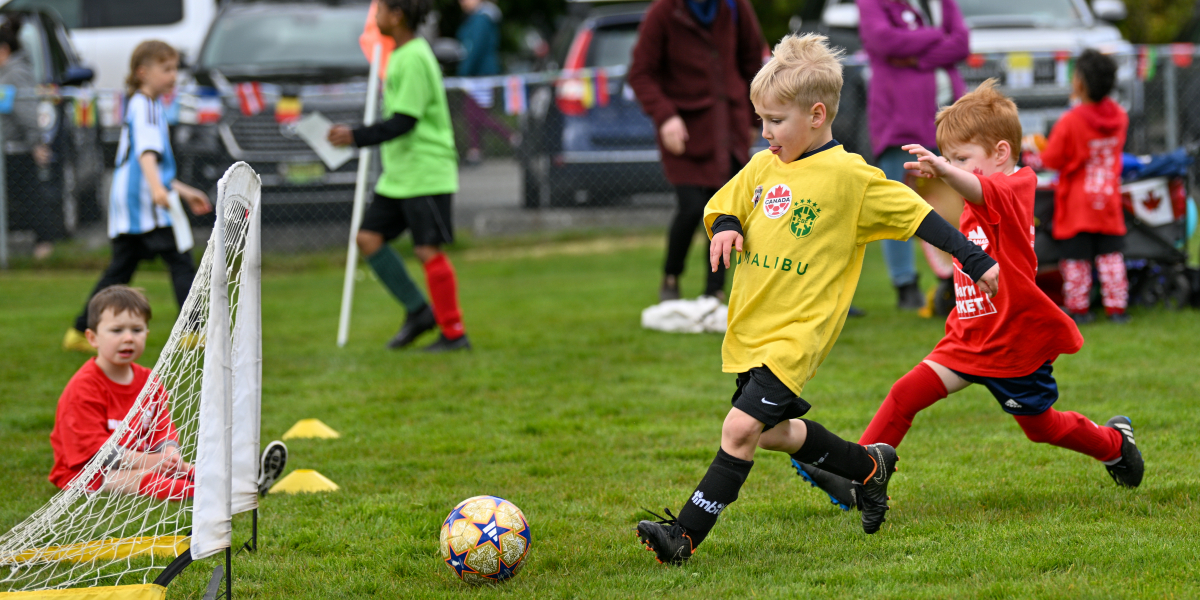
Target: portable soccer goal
x,y
90,542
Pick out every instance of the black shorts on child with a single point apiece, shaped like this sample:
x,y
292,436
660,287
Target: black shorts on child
x,y
761,395
428,217
1030,395
1087,246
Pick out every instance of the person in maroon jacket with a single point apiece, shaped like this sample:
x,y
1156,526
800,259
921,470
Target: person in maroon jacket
x,y
691,72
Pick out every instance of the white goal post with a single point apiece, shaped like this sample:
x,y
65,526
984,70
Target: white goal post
x,y
208,379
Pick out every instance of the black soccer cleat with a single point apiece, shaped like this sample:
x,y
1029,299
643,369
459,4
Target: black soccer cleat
x,y
666,538
270,465
415,324
1129,470
873,496
444,344
841,491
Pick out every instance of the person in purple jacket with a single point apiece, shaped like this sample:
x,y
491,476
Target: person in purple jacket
x,y
913,46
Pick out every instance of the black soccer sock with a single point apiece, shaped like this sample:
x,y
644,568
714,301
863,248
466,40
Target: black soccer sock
x,y
718,489
830,452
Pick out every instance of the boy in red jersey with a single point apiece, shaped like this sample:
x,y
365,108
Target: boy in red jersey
x,y
1085,147
1008,342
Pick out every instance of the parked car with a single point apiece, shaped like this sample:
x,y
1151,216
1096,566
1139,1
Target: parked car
x,y
292,48
1026,32
76,168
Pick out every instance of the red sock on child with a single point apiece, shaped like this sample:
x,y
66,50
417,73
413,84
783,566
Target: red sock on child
x,y
914,392
443,294
1072,431
161,487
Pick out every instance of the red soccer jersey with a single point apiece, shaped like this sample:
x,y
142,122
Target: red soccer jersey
x,y
1014,333
90,409
1085,147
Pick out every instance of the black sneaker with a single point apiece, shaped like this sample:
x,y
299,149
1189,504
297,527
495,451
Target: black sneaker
x,y
1120,318
1083,318
666,539
414,325
856,312
841,490
909,296
1129,470
443,344
270,465
873,497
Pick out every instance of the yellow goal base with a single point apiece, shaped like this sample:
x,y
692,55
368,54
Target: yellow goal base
x,y
117,548
146,591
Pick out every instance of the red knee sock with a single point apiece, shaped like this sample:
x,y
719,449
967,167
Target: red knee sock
x,y
1077,284
443,294
1072,431
1114,285
914,392
157,486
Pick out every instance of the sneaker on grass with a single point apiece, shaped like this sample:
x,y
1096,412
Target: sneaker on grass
x,y
415,324
1129,469
841,491
873,496
666,539
271,464
444,344
76,341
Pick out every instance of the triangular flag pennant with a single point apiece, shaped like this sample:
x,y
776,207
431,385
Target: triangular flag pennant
x,y
371,36
250,98
287,109
514,96
602,87
589,97
1146,65
1183,54
85,110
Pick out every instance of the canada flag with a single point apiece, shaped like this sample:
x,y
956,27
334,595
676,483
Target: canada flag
x,y
778,201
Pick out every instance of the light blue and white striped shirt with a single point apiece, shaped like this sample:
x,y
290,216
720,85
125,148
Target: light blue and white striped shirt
x,y
130,206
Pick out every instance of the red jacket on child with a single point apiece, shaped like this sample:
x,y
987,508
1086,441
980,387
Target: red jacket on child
x,y
1085,148
91,408
1017,331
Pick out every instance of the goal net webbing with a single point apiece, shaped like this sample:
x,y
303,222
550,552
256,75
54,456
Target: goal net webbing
x,y
204,394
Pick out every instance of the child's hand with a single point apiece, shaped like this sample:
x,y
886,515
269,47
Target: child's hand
x,y
171,461
196,199
720,247
928,165
340,135
990,282
158,195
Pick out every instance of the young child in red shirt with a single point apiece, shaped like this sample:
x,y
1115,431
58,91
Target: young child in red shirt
x,y
147,461
1085,148
1007,342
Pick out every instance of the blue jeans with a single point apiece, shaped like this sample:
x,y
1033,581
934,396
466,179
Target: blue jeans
x,y
900,256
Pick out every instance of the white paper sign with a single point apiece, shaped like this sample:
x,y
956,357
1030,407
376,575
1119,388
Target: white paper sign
x,y
179,223
313,129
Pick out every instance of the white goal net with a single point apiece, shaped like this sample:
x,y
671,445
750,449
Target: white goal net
x,y
116,525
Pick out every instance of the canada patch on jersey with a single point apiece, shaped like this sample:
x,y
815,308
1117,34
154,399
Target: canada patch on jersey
x,y
778,201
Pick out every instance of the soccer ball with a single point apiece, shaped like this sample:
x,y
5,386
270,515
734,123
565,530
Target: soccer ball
x,y
485,539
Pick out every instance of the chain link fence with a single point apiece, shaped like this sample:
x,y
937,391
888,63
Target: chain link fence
x,y
537,151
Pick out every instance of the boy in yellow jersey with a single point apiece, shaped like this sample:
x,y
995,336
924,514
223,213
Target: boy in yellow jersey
x,y
799,216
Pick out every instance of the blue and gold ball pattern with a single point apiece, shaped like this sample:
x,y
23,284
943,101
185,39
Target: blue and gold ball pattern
x,y
485,539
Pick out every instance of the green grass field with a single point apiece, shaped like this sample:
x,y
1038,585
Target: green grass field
x,y
570,410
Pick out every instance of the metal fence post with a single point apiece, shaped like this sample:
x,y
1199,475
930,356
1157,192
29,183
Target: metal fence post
x,y
3,203
1170,104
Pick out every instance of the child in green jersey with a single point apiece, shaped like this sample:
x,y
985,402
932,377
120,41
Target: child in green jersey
x,y
420,176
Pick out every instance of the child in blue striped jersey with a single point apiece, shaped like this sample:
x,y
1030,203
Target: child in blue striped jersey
x,y
139,223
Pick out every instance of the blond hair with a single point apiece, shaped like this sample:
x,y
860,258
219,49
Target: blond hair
x,y
984,116
803,69
147,52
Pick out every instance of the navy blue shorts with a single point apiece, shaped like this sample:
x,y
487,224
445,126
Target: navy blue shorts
x,y
1028,395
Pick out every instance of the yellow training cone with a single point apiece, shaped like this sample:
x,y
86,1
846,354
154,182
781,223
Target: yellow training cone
x,y
304,481
311,428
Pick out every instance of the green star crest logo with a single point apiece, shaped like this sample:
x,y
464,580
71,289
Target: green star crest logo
x,y
804,216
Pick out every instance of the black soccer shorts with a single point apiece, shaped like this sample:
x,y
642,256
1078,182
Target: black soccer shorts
x,y
763,396
430,218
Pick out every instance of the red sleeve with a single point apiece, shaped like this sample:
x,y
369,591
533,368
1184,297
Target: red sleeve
x,y
83,422
645,68
1058,154
999,198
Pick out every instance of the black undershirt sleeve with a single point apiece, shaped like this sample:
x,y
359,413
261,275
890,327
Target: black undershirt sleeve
x,y
943,236
727,223
371,135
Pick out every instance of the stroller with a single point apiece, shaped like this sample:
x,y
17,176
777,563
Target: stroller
x,y
1156,202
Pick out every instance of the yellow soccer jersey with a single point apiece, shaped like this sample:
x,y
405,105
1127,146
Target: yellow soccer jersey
x,y
806,225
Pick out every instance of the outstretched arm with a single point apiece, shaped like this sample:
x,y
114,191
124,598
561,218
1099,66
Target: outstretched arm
x,y
981,268
930,165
